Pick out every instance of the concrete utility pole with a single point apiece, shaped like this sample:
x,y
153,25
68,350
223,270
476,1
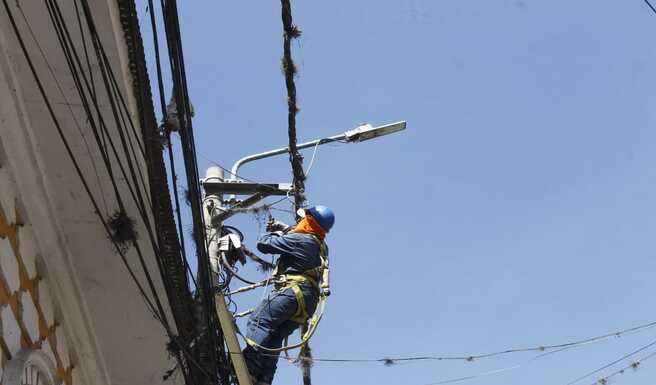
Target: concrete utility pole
x,y
211,203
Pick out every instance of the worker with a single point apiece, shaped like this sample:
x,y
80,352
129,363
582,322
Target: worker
x,y
294,299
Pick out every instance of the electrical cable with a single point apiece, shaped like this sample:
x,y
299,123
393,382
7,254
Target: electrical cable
x,y
54,12
69,151
650,5
314,153
211,350
501,370
174,176
232,230
108,73
633,365
113,93
69,50
110,81
232,271
546,349
68,104
70,53
612,363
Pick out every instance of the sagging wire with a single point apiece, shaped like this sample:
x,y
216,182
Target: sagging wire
x,y
111,84
501,370
70,52
174,176
118,225
635,365
624,357
314,153
71,156
212,348
650,5
67,102
545,349
484,374
602,381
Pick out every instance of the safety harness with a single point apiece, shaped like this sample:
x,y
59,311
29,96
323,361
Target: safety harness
x,y
319,277
293,281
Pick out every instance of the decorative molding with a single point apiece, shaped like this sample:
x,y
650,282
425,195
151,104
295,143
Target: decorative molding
x,y
30,367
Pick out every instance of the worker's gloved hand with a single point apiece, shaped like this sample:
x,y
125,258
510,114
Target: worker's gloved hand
x,y
276,225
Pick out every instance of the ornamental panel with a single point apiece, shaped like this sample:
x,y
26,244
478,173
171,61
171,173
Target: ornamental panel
x,y
62,347
45,303
46,349
27,249
10,330
7,196
30,315
9,265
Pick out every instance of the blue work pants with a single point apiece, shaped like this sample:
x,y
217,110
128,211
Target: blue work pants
x,y
270,324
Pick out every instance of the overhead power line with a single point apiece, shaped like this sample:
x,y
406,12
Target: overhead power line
x,y
162,100
650,5
211,349
72,157
624,357
391,360
130,149
635,365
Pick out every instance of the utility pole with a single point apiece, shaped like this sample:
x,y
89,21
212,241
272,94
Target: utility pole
x,y
212,203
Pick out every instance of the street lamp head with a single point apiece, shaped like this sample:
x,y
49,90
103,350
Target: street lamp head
x,y
366,131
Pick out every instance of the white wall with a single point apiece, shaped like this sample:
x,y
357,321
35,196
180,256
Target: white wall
x,y
64,288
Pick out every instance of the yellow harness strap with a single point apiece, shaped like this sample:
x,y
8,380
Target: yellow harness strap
x,y
301,314
291,281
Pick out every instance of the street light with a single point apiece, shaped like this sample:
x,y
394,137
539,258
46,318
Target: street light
x,y
359,134
214,184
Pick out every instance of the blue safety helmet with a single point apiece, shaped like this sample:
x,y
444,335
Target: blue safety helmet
x,y
322,214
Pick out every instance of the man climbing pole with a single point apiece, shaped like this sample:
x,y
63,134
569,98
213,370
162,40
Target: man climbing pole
x,y
300,279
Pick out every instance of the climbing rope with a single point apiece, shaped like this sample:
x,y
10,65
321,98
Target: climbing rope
x,y
313,323
305,338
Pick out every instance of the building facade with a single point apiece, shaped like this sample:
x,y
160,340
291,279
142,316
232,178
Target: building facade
x,y
71,311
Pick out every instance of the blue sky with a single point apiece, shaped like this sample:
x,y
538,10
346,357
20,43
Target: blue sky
x,y
518,208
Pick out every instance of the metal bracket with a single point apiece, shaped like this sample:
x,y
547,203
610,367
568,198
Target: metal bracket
x,y
259,191
213,187
253,199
